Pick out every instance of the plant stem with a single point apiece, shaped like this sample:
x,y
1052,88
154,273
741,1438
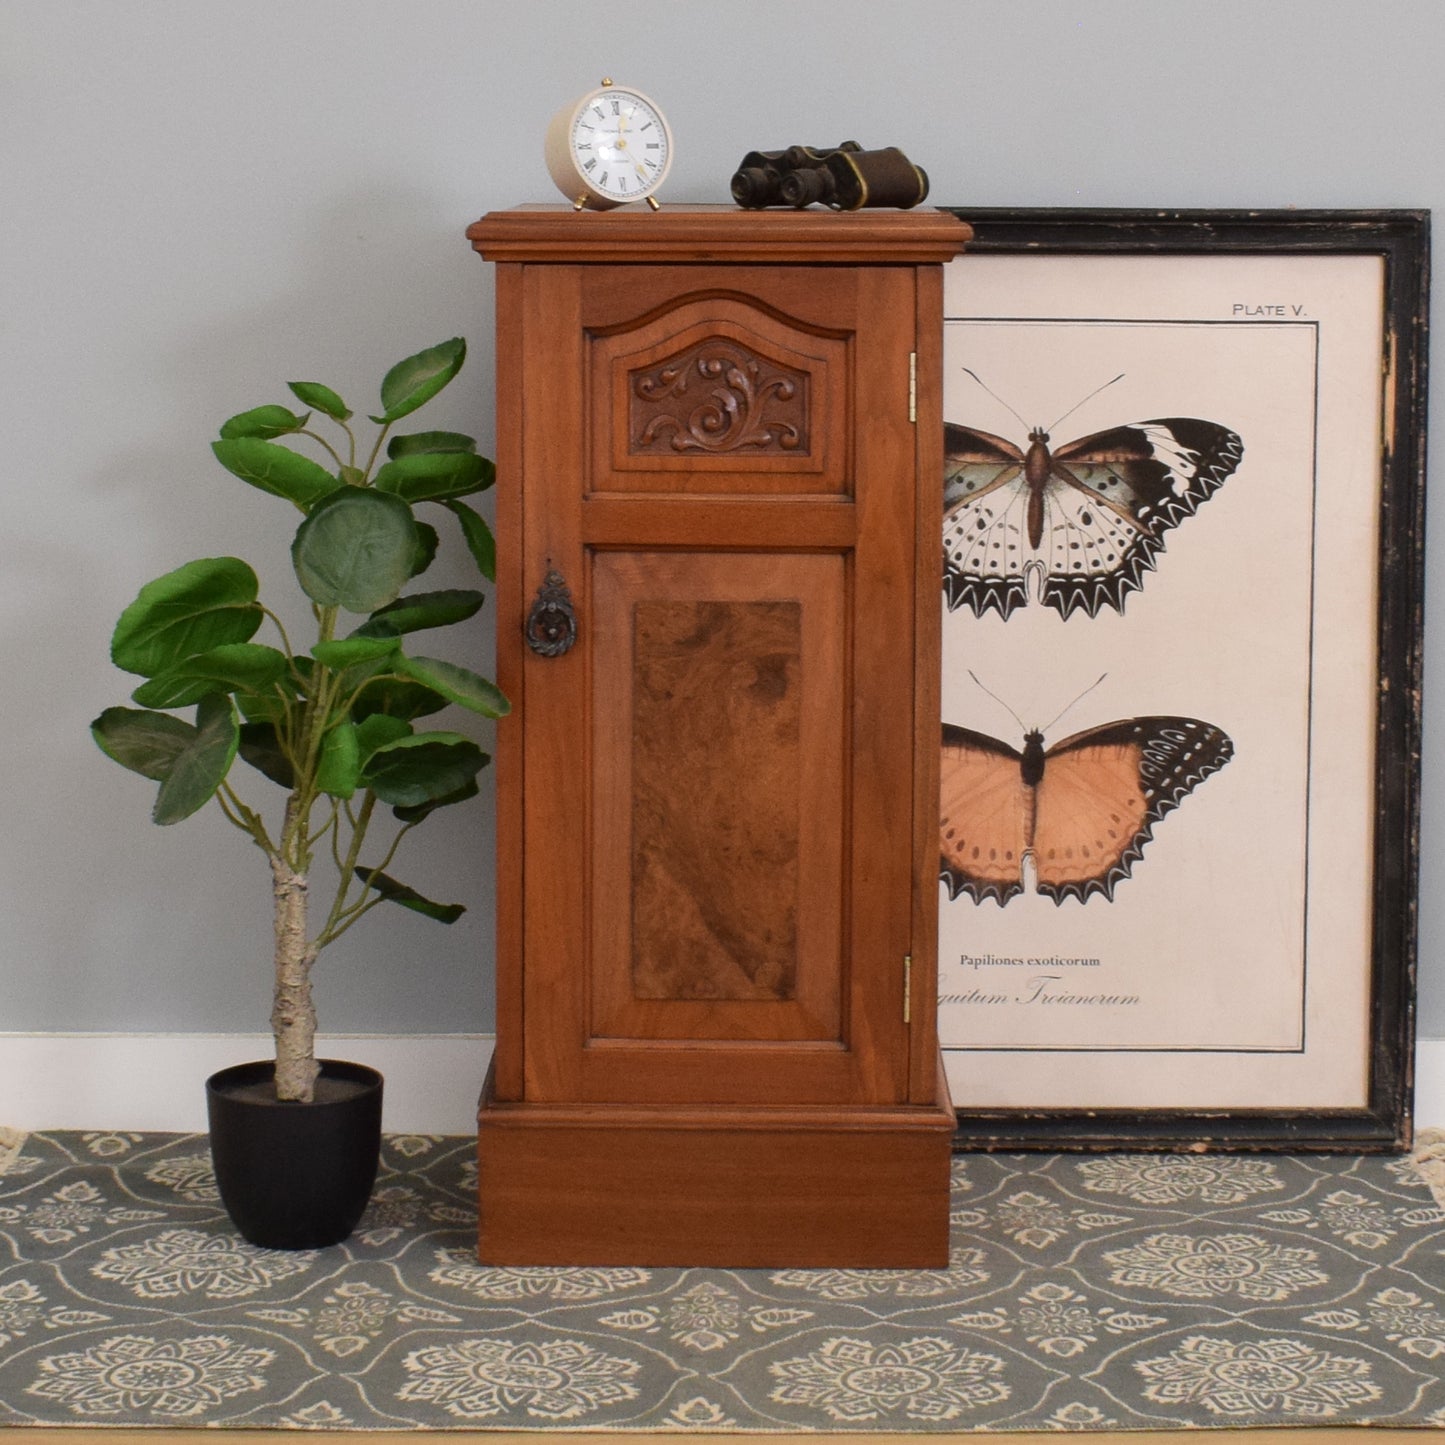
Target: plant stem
x,y
293,1013
280,627
317,437
243,818
346,868
376,450
352,915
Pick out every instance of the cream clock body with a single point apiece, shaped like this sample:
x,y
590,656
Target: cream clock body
x,y
608,148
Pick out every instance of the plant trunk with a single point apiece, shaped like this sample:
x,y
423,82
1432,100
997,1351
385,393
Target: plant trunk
x,y
293,1015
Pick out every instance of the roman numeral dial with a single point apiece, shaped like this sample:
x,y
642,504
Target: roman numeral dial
x,y
609,147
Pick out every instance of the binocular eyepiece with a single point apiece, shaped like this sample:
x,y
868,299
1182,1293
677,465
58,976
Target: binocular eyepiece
x,y
847,178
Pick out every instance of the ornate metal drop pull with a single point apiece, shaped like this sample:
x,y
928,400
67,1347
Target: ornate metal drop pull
x,y
552,623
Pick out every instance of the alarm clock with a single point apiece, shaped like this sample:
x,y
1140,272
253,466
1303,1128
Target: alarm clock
x,y
610,147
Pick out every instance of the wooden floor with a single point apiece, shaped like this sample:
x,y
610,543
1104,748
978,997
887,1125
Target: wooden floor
x,y
1337,1435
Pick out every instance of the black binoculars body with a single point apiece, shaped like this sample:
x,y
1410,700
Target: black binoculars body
x,y
846,177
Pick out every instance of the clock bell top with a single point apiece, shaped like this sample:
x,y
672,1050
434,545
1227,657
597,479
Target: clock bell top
x,y
698,234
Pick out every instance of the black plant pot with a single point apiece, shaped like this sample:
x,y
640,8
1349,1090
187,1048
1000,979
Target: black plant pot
x,y
295,1176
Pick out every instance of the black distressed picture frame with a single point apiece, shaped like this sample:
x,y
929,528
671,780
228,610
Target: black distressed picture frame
x,y
1401,239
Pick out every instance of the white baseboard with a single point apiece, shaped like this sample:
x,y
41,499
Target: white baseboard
x,y
154,1081
157,1081
1430,1084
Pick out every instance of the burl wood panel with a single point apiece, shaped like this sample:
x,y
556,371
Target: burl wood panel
x,y
716,758
751,646
718,396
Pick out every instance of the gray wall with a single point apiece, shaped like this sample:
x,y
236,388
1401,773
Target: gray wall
x,y
203,199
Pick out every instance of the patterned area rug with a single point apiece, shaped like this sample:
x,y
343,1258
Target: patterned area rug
x,y
1084,1292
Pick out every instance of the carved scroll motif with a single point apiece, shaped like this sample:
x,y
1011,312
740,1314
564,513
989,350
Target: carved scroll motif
x,y
719,397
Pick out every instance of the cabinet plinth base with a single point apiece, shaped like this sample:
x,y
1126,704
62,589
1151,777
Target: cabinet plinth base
x,y
731,1187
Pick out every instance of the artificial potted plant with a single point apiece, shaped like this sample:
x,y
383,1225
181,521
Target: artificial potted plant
x,y
333,720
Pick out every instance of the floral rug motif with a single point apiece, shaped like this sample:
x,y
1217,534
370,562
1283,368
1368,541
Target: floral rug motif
x,y
1083,1292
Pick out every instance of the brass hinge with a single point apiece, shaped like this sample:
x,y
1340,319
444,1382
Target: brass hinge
x,y
913,386
907,988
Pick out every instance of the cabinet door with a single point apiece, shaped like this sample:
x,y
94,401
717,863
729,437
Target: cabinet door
x,y
718,777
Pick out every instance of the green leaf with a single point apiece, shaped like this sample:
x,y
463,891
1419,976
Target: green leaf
x,y
348,651
147,743
356,675
263,422
261,748
322,398
434,476
480,542
377,731
422,810
421,610
201,767
426,548
232,667
456,684
275,469
413,382
395,892
430,441
199,606
355,550
339,767
392,697
422,768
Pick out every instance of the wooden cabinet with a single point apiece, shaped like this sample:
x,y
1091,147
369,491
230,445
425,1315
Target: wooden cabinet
x,y
719,453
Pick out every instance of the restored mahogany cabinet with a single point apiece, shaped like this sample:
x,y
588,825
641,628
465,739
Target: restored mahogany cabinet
x,y
719,451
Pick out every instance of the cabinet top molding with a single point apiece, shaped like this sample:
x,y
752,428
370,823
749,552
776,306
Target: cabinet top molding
x,y
691,234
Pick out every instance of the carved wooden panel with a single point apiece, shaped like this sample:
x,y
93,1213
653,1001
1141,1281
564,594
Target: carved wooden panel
x,y
715,397
716,394
716,758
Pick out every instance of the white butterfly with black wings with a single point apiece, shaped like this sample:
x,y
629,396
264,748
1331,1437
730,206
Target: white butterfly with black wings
x,y
1087,520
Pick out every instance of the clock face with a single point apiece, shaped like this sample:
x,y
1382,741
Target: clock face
x,y
620,145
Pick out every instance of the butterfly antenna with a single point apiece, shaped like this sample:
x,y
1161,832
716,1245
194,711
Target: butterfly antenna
x,y
1078,404
1078,699
999,700
1025,425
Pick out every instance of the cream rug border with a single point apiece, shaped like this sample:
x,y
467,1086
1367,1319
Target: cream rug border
x,y
1429,1161
1327,1435
11,1143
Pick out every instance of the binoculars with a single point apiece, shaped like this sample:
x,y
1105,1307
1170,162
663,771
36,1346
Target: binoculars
x,y
847,178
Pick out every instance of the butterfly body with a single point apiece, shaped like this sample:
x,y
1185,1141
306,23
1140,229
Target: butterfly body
x,y
1031,760
1082,810
1038,468
1087,519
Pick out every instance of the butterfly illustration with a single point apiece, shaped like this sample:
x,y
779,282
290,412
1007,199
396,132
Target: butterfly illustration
x,y
1082,809
1088,518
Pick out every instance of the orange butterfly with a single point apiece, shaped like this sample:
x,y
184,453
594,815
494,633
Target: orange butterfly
x,y
1082,809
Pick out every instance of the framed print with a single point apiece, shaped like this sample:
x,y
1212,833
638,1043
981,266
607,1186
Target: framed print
x,y
1182,557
